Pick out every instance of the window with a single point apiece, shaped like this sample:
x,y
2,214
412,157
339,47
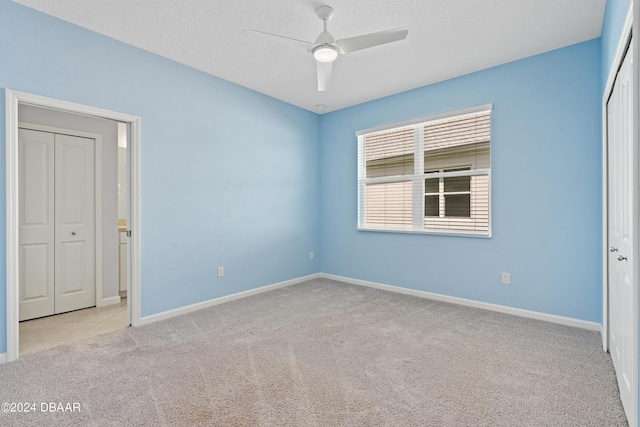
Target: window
x,y
447,197
430,175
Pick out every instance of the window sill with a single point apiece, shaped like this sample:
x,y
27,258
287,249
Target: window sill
x,y
461,233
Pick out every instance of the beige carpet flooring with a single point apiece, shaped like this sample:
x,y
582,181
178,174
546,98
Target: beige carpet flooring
x,y
323,353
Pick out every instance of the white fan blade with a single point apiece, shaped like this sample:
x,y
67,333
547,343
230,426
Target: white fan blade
x,y
283,39
352,44
324,75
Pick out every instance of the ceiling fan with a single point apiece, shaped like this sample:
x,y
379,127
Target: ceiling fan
x,y
326,49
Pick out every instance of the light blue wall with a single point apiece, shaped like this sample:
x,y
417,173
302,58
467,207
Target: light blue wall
x,y
228,176
546,190
614,18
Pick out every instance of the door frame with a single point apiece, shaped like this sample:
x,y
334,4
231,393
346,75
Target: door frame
x,y
626,45
97,158
12,99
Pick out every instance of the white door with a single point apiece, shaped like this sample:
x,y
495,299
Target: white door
x,y
57,223
37,228
75,271
621,228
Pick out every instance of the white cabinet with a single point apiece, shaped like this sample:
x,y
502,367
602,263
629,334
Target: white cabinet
x,y
123,263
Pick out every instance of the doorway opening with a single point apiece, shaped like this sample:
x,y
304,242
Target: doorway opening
x,y
121,289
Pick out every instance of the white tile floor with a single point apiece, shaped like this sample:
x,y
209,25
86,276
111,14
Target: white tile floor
x,y
47,332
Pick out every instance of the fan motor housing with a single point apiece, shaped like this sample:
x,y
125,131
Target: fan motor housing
x,y
325,13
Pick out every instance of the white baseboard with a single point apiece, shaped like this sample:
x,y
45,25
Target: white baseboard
x,y
3,358
109,301
210,303
567,321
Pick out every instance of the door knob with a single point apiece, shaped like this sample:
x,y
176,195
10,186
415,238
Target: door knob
x,y
612,249
621,258
73,233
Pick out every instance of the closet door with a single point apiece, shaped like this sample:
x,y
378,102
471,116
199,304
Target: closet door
x,y
622,221
37,229
75,259
57,223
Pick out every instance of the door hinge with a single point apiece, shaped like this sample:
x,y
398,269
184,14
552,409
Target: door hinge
x,y
128,233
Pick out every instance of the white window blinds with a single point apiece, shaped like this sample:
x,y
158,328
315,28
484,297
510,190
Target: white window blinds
x,y
431,175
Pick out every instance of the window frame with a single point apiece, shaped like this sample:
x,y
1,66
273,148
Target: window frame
x,y
418,179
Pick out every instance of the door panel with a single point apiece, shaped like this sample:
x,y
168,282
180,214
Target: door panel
x,y
35,272
621,225
74,217
72,271
36,225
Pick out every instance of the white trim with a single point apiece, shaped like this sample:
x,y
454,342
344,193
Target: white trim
x,y
3,358
406,123
635,62
134,298
619,55
417,185
13,302
97,159
613,72
567,321
437,231
415,177
98,218
109,301
12,98
221,300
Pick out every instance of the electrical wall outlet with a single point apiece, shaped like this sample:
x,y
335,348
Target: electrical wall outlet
x,y
220,271
506,278
311,255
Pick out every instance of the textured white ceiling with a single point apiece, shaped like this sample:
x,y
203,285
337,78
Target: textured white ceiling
x,y
447,38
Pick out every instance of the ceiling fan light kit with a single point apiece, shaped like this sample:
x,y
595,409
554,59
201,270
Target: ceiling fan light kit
x,y
326,49
325,53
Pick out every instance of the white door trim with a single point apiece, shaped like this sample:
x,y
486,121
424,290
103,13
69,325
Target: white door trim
x,y
12,99
98,193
